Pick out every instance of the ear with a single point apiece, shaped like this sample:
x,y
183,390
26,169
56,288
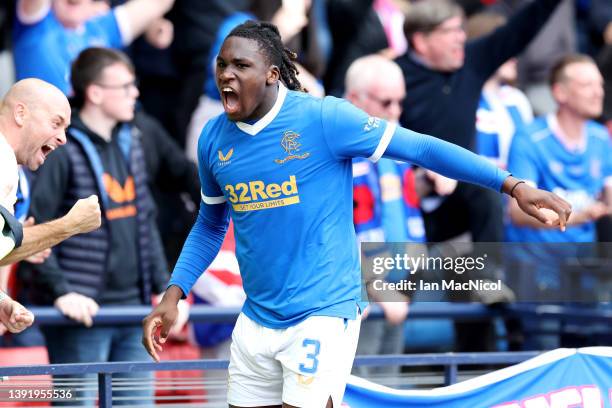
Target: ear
x,y
93,94
20,113
559,92
352,96
273,75
419,43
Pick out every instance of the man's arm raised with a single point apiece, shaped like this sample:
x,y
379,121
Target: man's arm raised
x,y
84,216
32,11
135,16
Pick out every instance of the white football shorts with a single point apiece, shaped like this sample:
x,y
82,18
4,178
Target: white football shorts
x,y
303,365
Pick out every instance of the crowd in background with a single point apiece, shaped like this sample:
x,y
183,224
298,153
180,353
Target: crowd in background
x,y
521,82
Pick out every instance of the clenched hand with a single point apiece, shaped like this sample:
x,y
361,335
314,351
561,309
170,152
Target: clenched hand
x,y
85,215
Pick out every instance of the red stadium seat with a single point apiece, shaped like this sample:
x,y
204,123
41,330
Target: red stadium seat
x,y
175,350
12,356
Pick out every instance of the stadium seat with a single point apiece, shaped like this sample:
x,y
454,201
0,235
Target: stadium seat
x,y
12,356
175,350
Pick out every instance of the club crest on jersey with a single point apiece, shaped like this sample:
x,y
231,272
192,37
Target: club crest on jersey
x,y
290,144
373,123
224,159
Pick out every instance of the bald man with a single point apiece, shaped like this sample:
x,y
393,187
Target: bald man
x,y
34,116
376,85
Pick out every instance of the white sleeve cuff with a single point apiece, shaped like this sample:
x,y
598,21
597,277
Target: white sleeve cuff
x,y
384,142
124,24
212,200
608,181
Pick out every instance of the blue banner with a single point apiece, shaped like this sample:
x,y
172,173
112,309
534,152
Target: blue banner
x,y
563,378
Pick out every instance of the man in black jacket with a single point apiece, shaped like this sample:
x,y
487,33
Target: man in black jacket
x,y
173,181
122,263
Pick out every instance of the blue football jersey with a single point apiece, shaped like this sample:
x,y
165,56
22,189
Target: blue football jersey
x,y
287,179
402,220
499,116
386,205
46,49
287,182
367,204
538,156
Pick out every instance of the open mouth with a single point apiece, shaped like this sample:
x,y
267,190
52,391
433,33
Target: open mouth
x,y
47,149
230,100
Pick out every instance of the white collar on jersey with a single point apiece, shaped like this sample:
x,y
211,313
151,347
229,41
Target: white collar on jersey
x,y
258,126
572,146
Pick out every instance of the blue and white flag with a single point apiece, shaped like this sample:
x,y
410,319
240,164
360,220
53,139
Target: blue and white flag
x,y
563,378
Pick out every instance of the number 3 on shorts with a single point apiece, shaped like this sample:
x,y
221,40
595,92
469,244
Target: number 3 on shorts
x,y
311,368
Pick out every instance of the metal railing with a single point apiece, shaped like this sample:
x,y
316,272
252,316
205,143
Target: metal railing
x,y
425,310
450,362
104,371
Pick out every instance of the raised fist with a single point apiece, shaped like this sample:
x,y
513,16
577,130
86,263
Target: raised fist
x,y
85,214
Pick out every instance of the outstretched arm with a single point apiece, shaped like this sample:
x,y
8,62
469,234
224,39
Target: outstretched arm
x,y
135,16
83,217
461,164
445,158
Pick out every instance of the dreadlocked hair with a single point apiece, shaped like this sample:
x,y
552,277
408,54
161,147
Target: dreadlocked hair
x,y
269,39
